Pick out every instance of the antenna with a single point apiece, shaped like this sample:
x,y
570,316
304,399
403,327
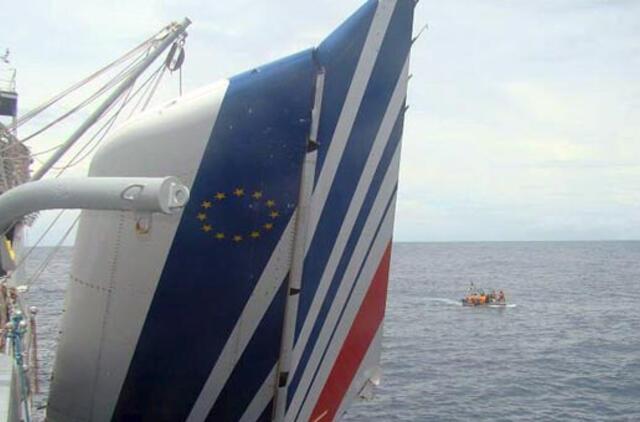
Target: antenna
x,y
424,28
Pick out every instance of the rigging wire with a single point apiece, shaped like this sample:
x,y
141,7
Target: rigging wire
x,y
32,113
40,239
149,86
108,122
36,275
154,88
145,48
112,119
99,135
36,154
107,126
46,231
120,76
19,158
82,149
123,74
110,84
64,168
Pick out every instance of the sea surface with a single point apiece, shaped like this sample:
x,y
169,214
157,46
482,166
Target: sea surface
x,y
567,349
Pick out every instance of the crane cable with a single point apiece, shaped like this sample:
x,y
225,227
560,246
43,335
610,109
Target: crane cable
x,y
32,113
149,86
43,266
60,213
107,126
157,74
110,84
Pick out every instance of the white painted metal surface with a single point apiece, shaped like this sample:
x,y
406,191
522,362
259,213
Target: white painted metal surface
x,y
111,288
394,108
173,32
297,264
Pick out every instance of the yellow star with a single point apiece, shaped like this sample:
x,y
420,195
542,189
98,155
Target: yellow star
x,y
268,226
206,204
207,228
238,192
201,216
274,214
271,203
255,234
237,238
220,196
219,236
257,194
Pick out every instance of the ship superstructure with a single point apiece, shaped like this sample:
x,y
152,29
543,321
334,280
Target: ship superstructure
x,y
15,157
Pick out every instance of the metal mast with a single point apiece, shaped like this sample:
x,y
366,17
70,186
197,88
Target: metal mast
x,y
174,31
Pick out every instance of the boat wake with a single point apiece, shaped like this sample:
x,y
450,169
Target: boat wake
x,y
452,302
445,301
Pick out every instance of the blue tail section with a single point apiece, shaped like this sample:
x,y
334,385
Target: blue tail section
x,y
243,197
210,344
389,64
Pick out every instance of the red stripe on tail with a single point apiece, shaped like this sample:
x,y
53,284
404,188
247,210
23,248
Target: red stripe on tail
x,y
357,343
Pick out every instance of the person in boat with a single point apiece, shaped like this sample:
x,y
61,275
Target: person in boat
x,y
500,296
472,294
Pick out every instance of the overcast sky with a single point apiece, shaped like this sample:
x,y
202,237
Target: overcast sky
x,y
524,119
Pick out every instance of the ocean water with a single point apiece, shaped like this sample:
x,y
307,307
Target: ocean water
x,y
567,349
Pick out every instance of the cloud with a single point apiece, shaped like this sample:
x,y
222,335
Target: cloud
x,y
524,118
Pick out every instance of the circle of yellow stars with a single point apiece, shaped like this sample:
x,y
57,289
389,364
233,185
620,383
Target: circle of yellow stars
x,y
238,192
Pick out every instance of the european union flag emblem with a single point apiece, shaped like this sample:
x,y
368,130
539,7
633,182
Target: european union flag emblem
x,y
255,215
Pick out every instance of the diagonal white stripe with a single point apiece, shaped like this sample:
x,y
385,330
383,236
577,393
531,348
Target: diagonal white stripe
x,y
297,263
341,135
258,303
374,41
349,111
261,400
102,325
361,286
347,281
233,351
382,138
369,368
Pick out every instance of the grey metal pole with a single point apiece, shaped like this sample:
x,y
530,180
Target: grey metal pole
x,y
176,30
142,194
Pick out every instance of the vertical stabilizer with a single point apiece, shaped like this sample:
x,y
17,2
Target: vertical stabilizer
x,y
264,298
347,263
